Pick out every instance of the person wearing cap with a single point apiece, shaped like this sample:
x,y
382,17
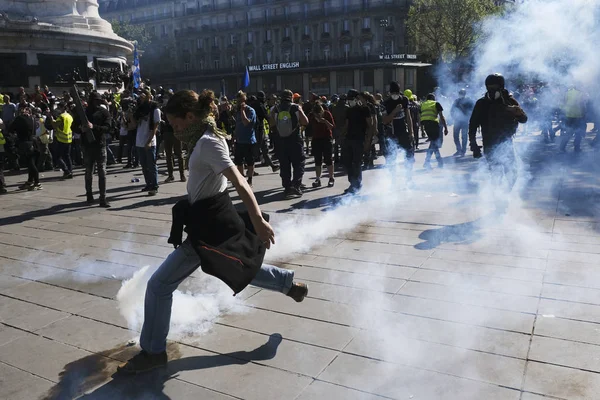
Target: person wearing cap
x,y
245,136
432,113
414,108
297,98
460,112
401,136
94,154
63,134
357,141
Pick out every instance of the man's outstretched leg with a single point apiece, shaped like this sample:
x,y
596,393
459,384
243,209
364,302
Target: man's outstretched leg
x,y
180,264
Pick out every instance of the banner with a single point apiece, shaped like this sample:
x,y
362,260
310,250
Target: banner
x,y
135,69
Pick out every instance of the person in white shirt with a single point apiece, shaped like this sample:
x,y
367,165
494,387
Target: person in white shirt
x,y
227,244
148,118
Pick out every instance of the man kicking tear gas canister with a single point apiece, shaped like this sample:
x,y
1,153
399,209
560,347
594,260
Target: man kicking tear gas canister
x,y
498,114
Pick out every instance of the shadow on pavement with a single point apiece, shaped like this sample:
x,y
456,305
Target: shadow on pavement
x,y
95,378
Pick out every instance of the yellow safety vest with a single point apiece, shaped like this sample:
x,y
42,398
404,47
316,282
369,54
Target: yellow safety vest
x,y
574,104
266,125
429,111
66,134
2,140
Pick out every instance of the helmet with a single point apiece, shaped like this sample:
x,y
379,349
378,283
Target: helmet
x,y
462,92
408,93
495,79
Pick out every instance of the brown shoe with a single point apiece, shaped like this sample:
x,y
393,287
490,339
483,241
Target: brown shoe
x,y
143,362
298,291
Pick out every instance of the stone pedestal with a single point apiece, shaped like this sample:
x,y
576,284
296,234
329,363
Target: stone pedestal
x,y
42,39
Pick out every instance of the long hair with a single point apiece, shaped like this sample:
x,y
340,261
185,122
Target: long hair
x,y
200,105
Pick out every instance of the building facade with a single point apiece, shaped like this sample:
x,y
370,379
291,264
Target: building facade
x,y
323,46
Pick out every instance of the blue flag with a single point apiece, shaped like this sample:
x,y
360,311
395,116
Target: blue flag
x,y
246,81
135,69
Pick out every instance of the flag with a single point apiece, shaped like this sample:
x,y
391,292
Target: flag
x,y
246,80
135,70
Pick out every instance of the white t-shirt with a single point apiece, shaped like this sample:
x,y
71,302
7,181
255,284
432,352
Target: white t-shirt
x,y
207,163
143,130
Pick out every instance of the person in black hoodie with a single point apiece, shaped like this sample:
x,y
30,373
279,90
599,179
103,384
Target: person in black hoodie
x,y
224,243
498,114
94,152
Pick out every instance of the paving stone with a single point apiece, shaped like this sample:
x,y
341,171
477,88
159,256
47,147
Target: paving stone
x,y
96,338
491,368
360,281
9,282
251,381
400,382
571,293
8,334
322,390
470,296
239,343
561,382
490,259
16,384
581,279
567,329
40,356
348,295
500,285
292,327
565,353
25,315
565,309
105,311
52,297
496,271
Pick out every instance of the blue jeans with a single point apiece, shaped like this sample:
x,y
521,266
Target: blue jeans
x,y
147,158
180,264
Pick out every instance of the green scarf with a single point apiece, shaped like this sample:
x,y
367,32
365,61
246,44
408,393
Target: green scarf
x,y
194,132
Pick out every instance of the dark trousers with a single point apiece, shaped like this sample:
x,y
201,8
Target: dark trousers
x,y
95,155
2,161
502,162
147,157
132,156
573,126
291,155
173,148
461,131
352,152
44,161
32,171
64,157
76,152
110,157
123,140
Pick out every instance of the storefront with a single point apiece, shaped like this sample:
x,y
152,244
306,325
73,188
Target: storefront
x,y
372,75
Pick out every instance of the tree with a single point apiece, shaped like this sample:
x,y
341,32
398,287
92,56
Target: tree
x,y
447,30
132,32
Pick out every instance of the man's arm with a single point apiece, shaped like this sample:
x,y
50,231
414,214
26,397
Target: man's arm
x,y
263,230
371,127
303,119
409,121
388,118
245,119
444,124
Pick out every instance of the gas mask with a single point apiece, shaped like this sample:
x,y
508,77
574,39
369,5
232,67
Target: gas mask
x,y
494,93
395,96
352,103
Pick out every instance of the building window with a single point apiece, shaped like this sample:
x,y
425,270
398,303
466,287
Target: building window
x,y
121,18
268,35
365,4
326,52
306,30
307,54
216,41
267,14
319,82
249,58
186,66
346,25
305,10
345,5
249,37
286,11
409,77
201,64
269,56
326,27
367,49
346,51
217,64
286,56
232,38
368,80
366,23
232,61
287,31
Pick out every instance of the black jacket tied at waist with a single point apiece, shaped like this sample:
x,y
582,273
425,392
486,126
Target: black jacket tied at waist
x,y
224,239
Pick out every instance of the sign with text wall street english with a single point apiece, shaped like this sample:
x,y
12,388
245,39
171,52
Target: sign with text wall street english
x,y
395,57
274,67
